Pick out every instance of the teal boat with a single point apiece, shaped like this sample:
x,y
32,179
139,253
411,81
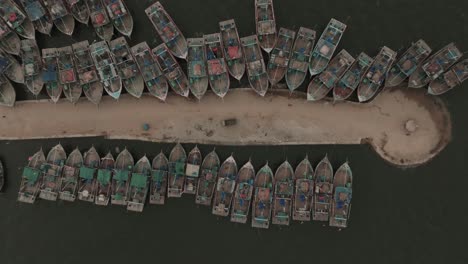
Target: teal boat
x,y
279,57
227,177
192,171
208,179
304,193
70,174
300,58
158,187
52,170
263,198
120,180
139,185
323,193
284,194
31,178
196,67
176,179
104,176
342,195
88,172
243,194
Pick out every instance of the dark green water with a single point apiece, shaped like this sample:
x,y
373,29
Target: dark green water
x,y
399,216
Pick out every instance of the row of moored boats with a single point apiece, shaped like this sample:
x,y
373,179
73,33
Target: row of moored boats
x,y
301,194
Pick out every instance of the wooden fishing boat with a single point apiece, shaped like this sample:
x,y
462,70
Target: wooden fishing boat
x,y
87,184
66,69
2,176
326,46
158,188
11,68
261,207
105,65
127,67
172,70
152,74
208,179
434,66
449,80
351,79
343,193
32,66
120,180
196,67
31,178
300,58
266,24
104,176
139,185
192,171
227,177
38,14
167,30
232,48
7,92
100,20
50,74
16,19
120,16
243,194
304,194
256,71
87,73
408,63
60,15
52,170
70,174
79,10
9,40
176,179
217,69
279,58
323,83
323,190
375,75
284,194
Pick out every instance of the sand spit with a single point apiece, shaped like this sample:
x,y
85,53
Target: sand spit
x,y
405,127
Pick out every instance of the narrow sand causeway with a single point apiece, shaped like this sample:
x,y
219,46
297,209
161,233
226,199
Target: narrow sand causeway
x,y
404,126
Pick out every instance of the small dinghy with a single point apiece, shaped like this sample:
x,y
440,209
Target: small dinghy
x,y
70,174
87,72
158,186
31,178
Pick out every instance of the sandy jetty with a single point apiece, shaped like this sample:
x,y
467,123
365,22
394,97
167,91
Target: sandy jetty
x,y
405,127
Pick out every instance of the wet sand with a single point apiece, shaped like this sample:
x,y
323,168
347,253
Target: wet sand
x,y
277,119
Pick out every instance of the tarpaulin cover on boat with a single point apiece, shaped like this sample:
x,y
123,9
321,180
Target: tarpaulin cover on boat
x,y
192,170
104,176
138,180
180,168
121,175
34,10
158,175
87,173
31,174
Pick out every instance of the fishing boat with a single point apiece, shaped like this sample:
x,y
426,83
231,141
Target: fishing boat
x,y
375,75
176,179
167,30
217,69
304,194
300,58
150,71
127,67
16,19
9,40
351,79
100,20
52,172
120,180
284,194
408,63
342,195
172,70
266,24
2,176
87,184
79,10
87,73
139,185
323,83
70,174
32,66
256,71
60,15
11,68
261,207
104,176
38,14
120,16
208,179
326,46
50,74
279,58
196,67
66,68
449,80
105,65
232,48
243,194
227,177
434,66
7,92
192,171
158,187
323,190
31,178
